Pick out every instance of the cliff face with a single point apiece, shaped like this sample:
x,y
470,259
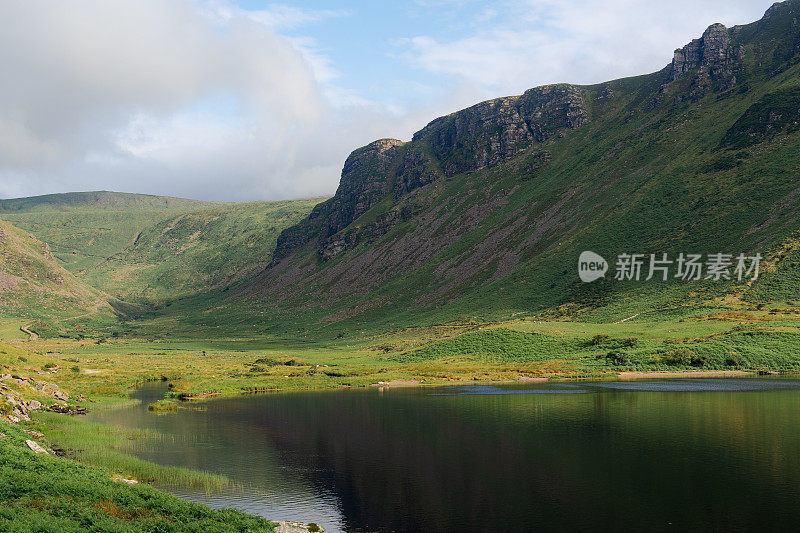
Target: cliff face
x,y
494,191
484,135
712,62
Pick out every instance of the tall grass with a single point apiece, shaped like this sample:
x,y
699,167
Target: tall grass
x,y
112,448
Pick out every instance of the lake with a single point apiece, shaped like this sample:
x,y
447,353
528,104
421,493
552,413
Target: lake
x,y
673,455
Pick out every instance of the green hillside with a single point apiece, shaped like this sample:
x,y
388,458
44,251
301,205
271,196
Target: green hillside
x,y
149,249
33,285
484,213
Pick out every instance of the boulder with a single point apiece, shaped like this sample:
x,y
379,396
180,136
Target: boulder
x,y
36,448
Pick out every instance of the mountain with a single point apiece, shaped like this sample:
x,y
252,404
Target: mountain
x,y
150,250
485,211
33,285
94,200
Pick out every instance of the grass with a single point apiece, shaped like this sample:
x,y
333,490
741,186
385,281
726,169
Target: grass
x,y
473,277
113,449
45,493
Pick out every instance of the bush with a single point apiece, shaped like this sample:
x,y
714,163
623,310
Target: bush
x,y
679,357
617,358
163,406
630,342
75,369
599,339
699,361
734,360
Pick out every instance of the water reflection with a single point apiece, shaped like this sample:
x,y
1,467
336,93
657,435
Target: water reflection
x,y
657,455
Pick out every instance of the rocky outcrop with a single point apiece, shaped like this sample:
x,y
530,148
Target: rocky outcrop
x,y
14,390
364,182
366,178
484,135
714,62
492,132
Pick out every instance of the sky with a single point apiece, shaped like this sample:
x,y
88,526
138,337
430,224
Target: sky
x,y
242,100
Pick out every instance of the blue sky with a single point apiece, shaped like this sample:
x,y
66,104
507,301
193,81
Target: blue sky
x,y
259,100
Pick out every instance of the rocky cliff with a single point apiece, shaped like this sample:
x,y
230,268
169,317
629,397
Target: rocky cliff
x,y
501,195
484,135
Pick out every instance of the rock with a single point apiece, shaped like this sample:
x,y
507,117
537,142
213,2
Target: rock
x,y
36,448
492,132
20,415
297,527
34,434
4,377
2,435
717,62
58,395
34,404
13,419
66,410
125,480
484,135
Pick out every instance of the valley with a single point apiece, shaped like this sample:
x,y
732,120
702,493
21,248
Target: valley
x,y
448,259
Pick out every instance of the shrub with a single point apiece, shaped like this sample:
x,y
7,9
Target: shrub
x,y
630,342
75,369
734,360
679,357
617,358
599,339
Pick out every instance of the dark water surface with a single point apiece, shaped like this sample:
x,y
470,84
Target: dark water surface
x,y
674,455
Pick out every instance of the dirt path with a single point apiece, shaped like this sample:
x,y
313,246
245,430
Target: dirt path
x,y
629,318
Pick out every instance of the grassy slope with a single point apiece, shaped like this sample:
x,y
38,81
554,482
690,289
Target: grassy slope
x,y
148,249
33,285
651,172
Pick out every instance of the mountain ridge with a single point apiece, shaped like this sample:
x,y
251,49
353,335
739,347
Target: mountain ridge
x,y
510,187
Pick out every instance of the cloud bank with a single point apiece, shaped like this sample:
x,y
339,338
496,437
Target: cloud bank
x,y
203,99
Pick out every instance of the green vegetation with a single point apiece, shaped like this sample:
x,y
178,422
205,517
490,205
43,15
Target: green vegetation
x,y
45,493
146,250
457,273
163,406
113,450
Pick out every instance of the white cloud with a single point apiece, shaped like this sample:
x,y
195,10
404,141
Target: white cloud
x,y
283,17
126,95
200,98
581,41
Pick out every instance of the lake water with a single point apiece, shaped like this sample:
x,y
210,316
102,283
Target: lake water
x,y
671,455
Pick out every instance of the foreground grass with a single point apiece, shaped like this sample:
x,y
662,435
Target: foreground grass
x,y
45,493
112,449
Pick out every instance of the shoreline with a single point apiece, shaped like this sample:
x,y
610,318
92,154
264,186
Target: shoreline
x,y
200,397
